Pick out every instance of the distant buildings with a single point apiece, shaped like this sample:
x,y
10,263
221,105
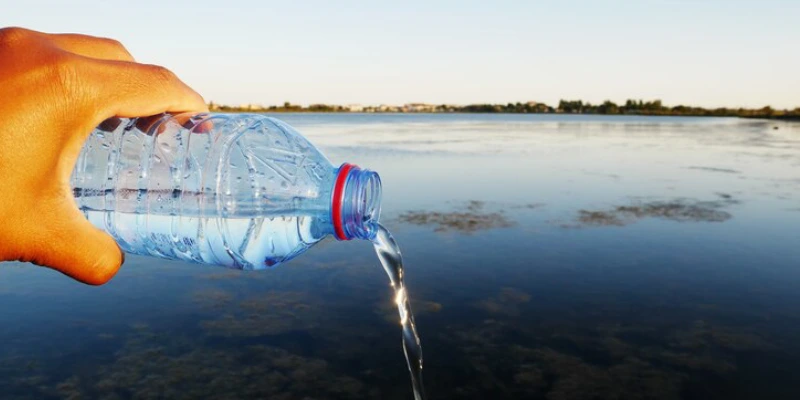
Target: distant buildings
x,y
419,107
252,107
382,108
388,108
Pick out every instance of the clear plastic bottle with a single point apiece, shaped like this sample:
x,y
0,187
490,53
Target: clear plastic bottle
x,y
240,190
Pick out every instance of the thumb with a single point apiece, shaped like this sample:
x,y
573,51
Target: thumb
x,y
70,244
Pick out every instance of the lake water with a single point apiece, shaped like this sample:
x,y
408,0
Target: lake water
x,y
547,256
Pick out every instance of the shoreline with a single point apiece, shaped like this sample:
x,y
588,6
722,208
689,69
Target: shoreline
x,y
785,118
574,107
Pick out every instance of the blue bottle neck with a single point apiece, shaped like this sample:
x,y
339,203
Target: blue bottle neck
x,y
356,203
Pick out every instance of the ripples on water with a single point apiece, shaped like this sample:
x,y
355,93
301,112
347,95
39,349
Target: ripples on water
x,y
554,257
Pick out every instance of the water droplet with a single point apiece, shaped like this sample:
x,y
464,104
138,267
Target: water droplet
x,y
165,147
157,158
284,185
106,146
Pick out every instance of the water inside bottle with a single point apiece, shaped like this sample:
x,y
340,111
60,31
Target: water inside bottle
x,y
255,242
389,254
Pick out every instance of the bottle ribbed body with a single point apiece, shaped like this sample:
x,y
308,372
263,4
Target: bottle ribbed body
x,y
240,190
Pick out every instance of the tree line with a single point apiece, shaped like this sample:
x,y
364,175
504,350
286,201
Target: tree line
x,y
655,107
630,107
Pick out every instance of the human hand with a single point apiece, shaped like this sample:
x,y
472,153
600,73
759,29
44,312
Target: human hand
x,y
54,90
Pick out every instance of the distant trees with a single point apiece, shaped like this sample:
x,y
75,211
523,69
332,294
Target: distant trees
x,y
607,107
325,108
512,108
570,106
482,108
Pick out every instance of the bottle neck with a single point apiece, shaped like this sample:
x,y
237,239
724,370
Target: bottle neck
x,y
356,203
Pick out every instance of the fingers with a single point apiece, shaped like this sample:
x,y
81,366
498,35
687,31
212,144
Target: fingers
x,y
84,45
74,247
90,46
196,123
127,89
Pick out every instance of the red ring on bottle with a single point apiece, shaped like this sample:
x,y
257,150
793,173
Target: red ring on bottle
x,y
338,198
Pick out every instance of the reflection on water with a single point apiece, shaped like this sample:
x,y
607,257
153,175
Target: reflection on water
x,y
683,284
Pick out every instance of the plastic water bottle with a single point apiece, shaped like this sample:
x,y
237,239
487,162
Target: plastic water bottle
x,y
240,190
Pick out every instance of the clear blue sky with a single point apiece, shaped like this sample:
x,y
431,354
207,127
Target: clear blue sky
x,y
702,52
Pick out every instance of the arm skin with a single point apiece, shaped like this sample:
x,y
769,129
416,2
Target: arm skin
x,y
54,89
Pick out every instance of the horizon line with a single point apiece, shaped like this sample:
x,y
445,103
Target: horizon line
x,y
527,102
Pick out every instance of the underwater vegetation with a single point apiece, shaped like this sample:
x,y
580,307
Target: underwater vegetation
x,y
678,210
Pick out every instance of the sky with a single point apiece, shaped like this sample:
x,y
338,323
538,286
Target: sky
x,y
701,52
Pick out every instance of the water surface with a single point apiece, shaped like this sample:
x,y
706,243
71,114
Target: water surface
x,y
547,256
